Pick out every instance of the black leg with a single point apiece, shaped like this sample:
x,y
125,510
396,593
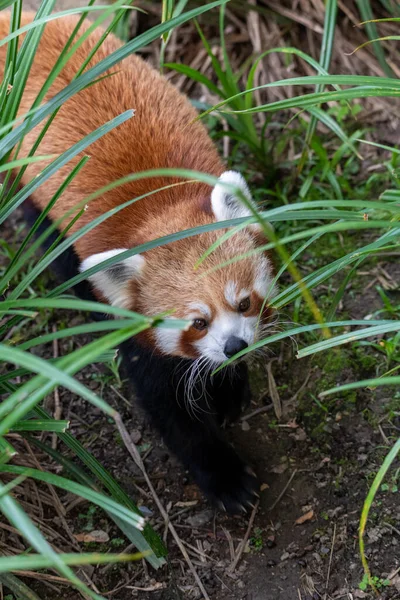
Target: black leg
x,y
231,392
66,265
195,439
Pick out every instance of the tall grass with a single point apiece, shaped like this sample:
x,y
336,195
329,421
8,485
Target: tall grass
x,y
382,214
21,410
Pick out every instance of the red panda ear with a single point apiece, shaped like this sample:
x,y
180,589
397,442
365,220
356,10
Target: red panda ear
x,y
113,281
226,204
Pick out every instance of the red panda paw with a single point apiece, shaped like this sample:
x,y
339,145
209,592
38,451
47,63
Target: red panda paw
x,y
231,485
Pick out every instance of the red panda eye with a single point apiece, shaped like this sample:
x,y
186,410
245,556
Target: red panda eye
x,y
244,305
199,324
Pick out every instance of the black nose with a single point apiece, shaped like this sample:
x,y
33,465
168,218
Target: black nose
x,y
234,345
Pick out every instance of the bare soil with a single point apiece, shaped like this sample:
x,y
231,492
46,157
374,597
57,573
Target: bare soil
x,y
315,464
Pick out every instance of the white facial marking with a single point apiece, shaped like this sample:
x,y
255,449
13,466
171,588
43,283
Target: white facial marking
x,y
231,293
232,296
224,326
112,282
263,279
168,339
198,309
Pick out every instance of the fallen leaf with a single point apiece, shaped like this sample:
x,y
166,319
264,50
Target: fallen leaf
x,y
264,486
306,517
97,535
279,469
273,392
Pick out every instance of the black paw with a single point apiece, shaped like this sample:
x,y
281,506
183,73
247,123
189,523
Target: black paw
x,y
230,484
232,413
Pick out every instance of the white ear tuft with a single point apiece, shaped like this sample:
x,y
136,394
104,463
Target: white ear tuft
x,y
224,203
112,281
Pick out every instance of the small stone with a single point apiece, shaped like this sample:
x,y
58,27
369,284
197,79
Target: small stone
x,y
271,563
201,518
374,535
146,512
271,542
396,582
285,556
136,436
245,426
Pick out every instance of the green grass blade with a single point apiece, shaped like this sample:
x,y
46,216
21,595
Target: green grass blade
x,y
20,162
375,382
352,336
34,562
90,75
59,15
390,458
16,586
365,9
6,451
195,76
48,371
35,425
276,337
325,61
26,397
21,250
17,517
146,540
80,490
63,159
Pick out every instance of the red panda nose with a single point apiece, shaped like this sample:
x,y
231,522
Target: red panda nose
x,y
234,345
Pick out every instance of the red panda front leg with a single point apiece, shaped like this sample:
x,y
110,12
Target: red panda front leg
x,y
196,440
231,392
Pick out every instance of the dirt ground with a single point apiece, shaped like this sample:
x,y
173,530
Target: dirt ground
x,y
315,464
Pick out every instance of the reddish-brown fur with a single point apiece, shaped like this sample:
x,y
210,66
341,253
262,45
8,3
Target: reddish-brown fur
x,y
161,134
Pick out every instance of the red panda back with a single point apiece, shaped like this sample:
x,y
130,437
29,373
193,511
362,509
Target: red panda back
x,y
161,134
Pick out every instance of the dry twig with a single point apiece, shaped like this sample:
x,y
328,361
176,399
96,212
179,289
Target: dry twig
x,y
243,543
138,460
283,492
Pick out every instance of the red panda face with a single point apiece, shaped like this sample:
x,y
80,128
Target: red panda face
x,y
225,306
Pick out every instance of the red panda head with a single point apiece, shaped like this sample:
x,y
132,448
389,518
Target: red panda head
x,y
223,304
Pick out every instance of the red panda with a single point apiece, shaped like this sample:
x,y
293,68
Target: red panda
x,y
169,368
